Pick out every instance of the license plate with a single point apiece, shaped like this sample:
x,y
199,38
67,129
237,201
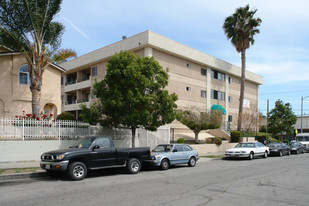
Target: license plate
x,y
47,167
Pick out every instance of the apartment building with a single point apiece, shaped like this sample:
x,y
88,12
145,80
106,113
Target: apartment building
x,y
196,77
15,94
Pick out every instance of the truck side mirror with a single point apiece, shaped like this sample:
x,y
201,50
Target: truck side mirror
x,y
96,147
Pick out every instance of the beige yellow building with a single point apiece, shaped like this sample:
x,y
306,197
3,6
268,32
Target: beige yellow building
x,y
15,94
196,77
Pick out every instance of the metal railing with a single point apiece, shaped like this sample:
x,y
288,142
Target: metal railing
x,y
32,129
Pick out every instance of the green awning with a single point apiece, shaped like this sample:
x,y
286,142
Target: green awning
x,y
219,107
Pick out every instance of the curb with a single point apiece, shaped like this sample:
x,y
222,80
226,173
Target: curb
x,y
28,175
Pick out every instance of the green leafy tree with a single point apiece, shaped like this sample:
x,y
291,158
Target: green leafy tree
x,y
133,94
91,115
281,118
27,26
197,119
241,28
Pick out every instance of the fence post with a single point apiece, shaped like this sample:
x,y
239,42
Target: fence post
x,y
59,122
23,130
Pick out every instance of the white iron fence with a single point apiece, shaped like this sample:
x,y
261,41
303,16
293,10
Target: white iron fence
x,y
24,129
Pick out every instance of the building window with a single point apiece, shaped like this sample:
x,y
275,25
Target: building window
x,y
230,80
217,75
24,75
188,88
203,93
203,72
230,118
62,80
94,71
230,99
188,65
217,95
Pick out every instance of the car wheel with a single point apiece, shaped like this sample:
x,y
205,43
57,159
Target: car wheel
x,y
165,164
303,151
77,170
251,155
265,154
297,151
192,162
134,166
280,153
289,153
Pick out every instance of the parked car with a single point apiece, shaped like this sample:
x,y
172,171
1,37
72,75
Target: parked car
x,y
247,150
165,155
297,148
279,148
92,153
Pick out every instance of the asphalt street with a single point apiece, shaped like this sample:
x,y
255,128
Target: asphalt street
x,y
272,181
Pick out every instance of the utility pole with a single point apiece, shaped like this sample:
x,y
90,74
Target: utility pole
x,y
267,119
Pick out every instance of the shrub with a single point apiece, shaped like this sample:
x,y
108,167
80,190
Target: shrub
x,y
286,141
181,140
261,138
218,141
66,116
235,136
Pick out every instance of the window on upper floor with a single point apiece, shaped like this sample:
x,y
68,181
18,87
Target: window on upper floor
x,y
188,88
203,72
217,75
230,80
203,93
217,95
24,75
230,99
188,65
94,71
230,118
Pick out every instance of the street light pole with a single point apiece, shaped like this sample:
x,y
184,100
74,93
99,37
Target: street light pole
x,y
301,115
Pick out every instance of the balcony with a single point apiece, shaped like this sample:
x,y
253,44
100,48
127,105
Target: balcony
x,y
74,105
77,84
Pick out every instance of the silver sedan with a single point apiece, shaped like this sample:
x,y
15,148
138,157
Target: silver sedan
x,y
165,155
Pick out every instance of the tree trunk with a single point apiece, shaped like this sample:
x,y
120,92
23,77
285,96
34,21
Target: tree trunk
x,y
196,137
36,99
133,129
242,88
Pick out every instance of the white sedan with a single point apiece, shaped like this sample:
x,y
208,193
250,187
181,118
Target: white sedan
x,y
247,150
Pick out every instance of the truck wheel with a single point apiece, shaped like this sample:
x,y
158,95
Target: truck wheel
x,y
165,164
134,166
192,162
77,170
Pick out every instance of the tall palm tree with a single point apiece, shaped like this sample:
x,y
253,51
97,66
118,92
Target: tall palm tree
x,y
27,26
241,28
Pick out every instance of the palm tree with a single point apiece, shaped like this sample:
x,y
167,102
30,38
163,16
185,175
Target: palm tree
x,y
240,28
61,55
27,26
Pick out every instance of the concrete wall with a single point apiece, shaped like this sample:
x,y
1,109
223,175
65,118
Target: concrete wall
x,y
203,149
16,151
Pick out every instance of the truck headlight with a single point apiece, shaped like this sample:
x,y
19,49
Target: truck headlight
x,y
59,157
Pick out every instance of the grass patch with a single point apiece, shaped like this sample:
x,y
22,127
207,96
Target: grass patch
x,y
212,156
18,170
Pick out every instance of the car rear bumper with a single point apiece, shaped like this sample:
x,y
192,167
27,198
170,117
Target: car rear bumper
x,y
56,166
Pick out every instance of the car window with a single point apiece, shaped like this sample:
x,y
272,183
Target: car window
x,y
187,148
179,148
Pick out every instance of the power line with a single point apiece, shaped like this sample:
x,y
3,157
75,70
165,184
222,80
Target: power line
x,y
285,92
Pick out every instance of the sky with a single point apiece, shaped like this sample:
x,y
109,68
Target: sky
x,y
280,53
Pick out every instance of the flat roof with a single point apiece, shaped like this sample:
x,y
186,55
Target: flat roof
x,y
157,41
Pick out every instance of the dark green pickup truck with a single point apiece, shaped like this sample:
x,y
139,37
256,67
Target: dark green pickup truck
x,y
92,153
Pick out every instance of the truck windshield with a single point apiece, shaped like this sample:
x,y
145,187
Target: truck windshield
x,y
84,142
302,138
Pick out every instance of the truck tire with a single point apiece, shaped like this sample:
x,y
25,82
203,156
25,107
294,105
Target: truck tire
x,y
77,170
134,166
